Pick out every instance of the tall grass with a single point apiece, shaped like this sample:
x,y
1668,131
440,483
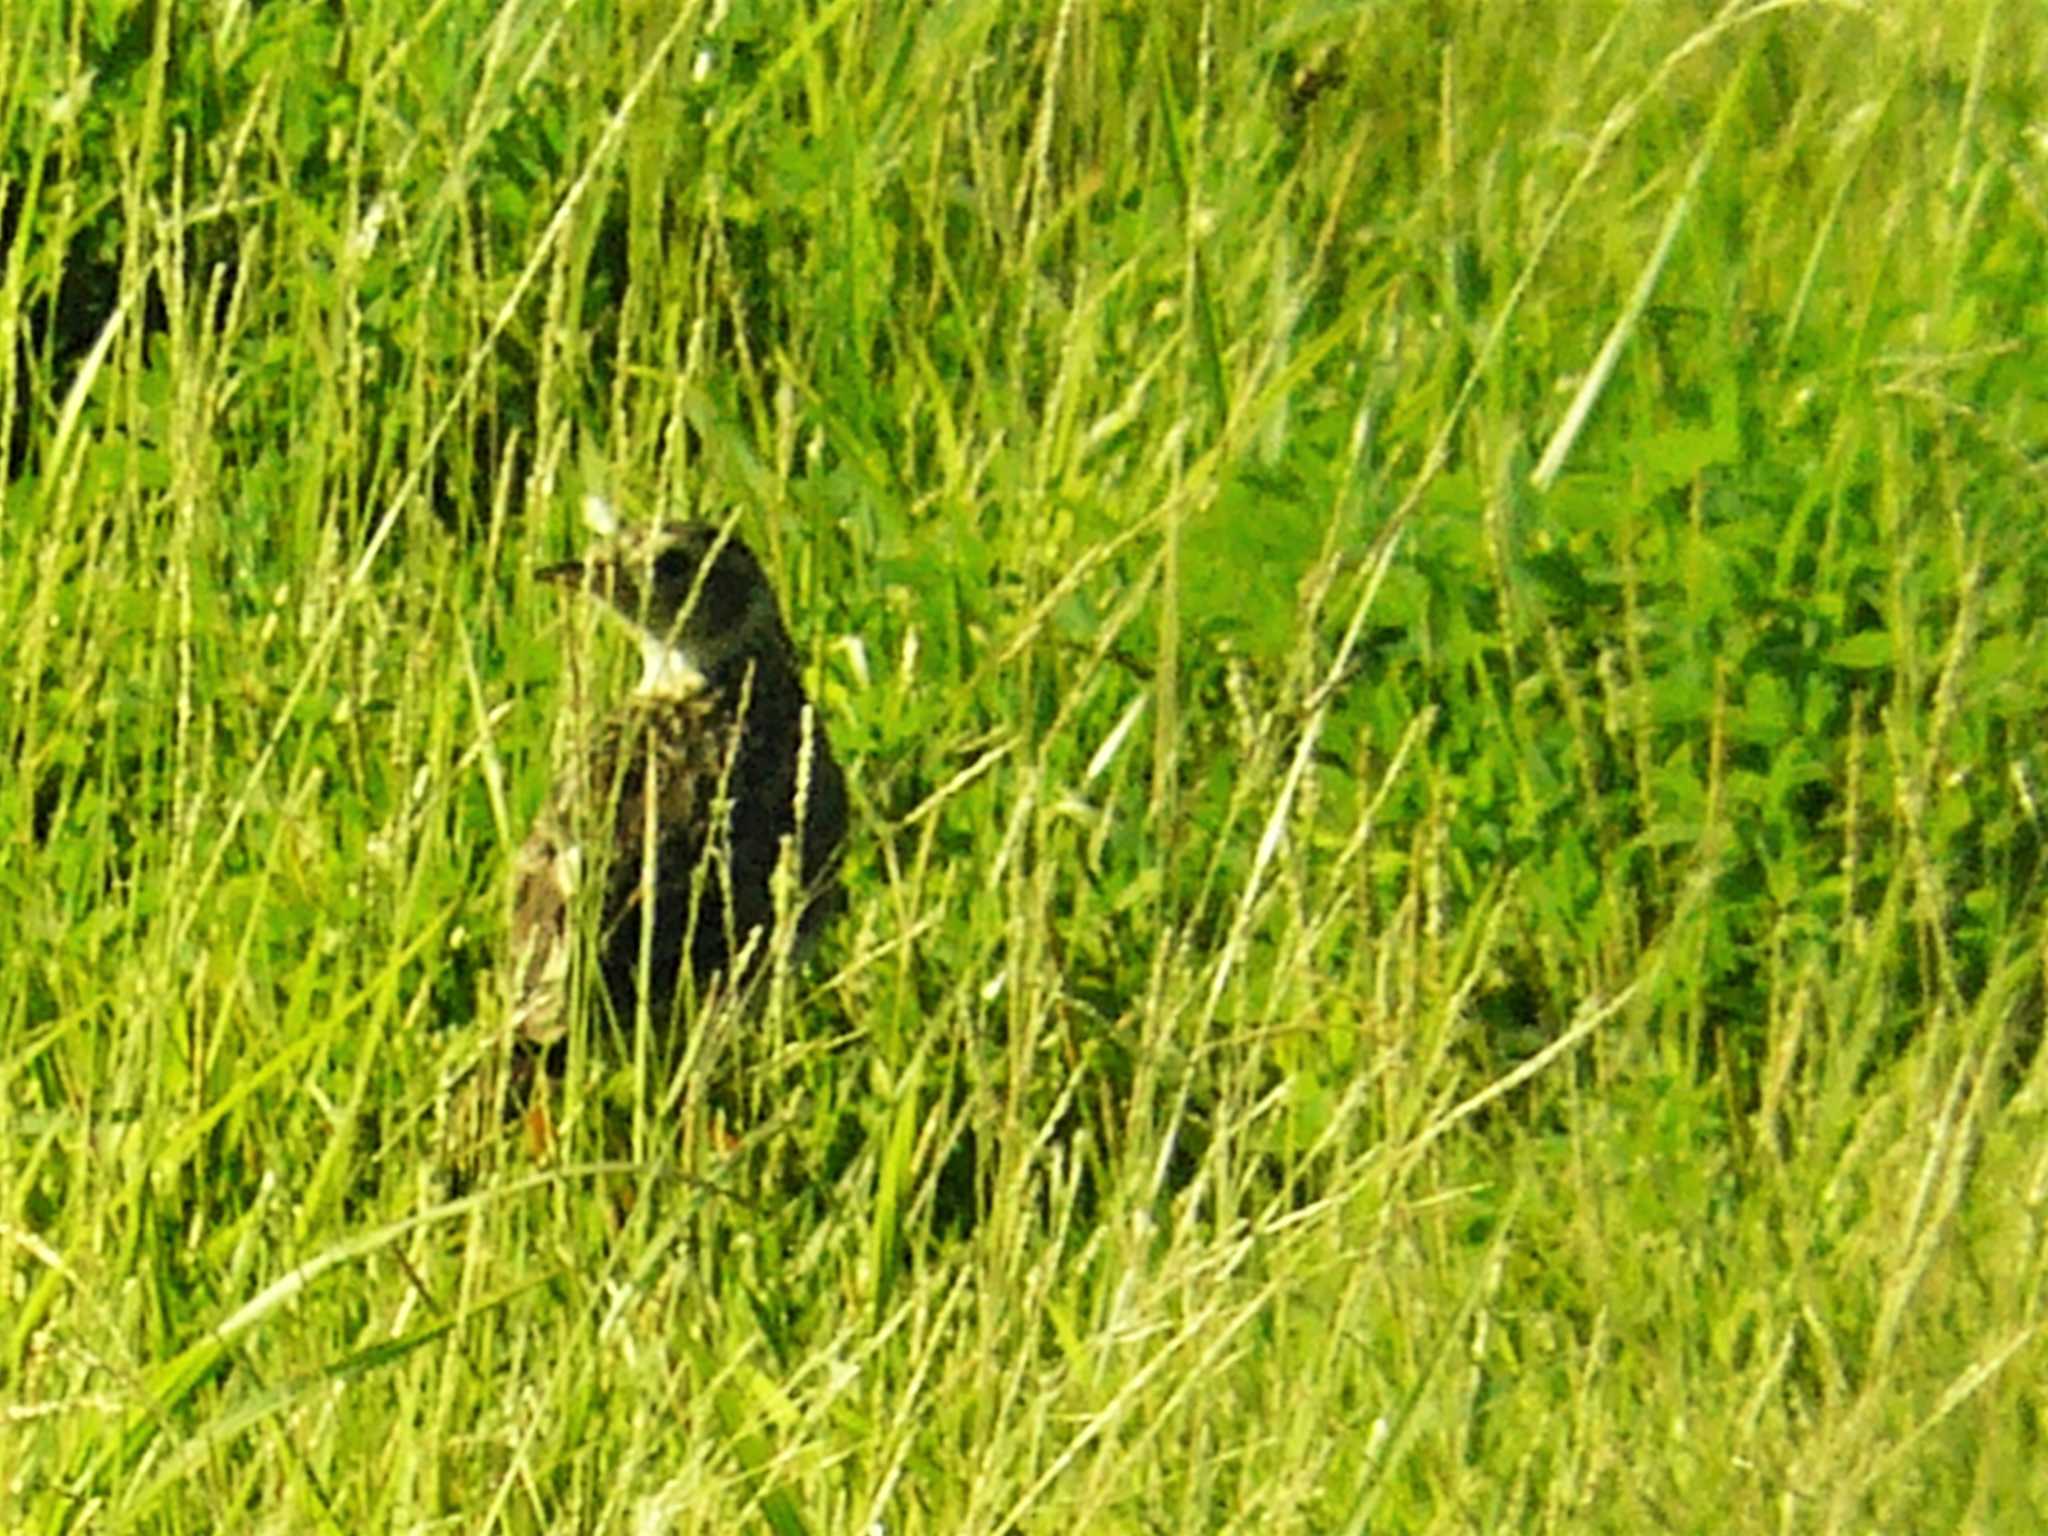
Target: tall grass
x,y
1434,618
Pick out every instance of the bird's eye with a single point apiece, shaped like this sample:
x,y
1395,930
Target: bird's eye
x,y
675,566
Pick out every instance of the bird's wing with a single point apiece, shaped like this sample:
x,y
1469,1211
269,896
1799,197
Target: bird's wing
x,y
662,777
599,794
546,876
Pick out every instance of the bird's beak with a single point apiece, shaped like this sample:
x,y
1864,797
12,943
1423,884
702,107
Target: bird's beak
x,y
602,579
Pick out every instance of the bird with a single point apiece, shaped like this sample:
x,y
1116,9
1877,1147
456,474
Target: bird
x,y
709,809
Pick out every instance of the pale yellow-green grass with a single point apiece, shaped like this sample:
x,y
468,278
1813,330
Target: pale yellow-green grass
x,y
1433,617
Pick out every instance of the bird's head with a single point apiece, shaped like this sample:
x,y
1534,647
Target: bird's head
x,y
692,592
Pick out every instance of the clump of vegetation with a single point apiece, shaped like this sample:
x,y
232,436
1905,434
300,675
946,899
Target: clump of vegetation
x,y
1432,620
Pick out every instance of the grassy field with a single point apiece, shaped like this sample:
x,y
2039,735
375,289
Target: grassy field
x,y
1435,615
